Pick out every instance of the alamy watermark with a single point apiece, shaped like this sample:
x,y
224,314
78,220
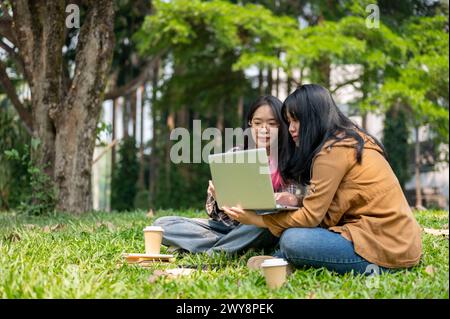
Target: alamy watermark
x,y
373,20
373,276
188,147
73,17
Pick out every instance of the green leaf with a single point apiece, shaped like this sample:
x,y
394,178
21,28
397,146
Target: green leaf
x,y
35,142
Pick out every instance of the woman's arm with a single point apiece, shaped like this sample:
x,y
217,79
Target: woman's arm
x,y
328,170
213,211
291,194
246,217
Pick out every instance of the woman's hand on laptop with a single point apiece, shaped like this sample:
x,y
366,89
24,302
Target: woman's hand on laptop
x,y
247,217
286,199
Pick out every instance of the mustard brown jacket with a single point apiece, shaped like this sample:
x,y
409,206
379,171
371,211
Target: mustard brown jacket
x,y
363,202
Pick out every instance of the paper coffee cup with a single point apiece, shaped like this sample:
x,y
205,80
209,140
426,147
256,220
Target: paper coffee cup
x,y
274,271
152,239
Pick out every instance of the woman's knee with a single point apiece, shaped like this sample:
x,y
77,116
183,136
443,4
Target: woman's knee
x,y
294,241
319,248
165,221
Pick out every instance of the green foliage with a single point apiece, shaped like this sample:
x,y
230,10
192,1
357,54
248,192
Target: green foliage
x,y
129,16
195,34
313,44
395,140
42,199
409,64
184,187
423,77
197,29
14,177
23,185
124,180
102,127
209,44
142,200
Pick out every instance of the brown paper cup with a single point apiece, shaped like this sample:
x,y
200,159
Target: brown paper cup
x,y
153,238
275,275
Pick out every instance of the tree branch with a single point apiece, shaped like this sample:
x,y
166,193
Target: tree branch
x,y
27,33
15,56
134,84
4,10
352,81
6,29
130,86
8,49
10,90
94,54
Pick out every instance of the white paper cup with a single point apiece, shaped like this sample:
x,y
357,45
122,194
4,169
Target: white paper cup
x,y
274,271
152,239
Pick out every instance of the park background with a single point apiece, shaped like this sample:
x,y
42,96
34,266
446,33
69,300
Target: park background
x,y
90,90
385,62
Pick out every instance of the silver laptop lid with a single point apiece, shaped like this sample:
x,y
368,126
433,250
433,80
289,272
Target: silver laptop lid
x,y
243,178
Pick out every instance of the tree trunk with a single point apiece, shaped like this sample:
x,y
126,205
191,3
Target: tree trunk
x,y
321,72
182,117
171,120
114,128
419,203
261,81
364,120
133,102
141,181
154,154
269,81
220,120
74,148
240,110
300,79
220,124
277,82
364,97
76,123
289,83
65,117
125,116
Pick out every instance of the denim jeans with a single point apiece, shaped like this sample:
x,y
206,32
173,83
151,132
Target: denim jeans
x,y
207,235
319,247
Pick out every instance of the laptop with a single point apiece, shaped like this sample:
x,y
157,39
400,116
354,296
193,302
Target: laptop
x,y
243,178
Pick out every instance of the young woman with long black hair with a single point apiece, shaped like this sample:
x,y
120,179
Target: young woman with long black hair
x,y
219,232
355,213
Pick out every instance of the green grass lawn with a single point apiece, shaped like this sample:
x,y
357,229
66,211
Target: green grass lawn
x,y
64,256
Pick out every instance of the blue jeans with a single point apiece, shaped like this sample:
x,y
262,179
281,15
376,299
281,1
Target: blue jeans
x,y
319,247
207,235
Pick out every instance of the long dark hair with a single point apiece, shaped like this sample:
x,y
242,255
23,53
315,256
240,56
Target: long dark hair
x,y
284,143
320,121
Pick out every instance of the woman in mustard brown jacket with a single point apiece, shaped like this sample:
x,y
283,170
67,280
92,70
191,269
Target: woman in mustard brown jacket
x,y
355,213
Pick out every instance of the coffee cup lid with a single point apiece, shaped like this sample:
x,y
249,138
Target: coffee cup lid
x,y
274,262
153,228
